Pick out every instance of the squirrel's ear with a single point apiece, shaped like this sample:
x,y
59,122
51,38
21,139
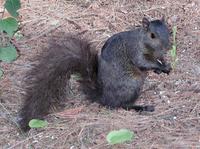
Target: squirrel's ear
x,y
145,23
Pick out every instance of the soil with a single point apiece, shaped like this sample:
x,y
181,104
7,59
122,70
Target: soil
x,y
174,124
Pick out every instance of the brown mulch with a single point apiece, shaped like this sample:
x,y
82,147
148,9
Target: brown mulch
x,y
176,120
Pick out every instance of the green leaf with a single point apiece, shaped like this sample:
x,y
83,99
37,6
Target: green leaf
x,y
9,25
1,73
36,123
8,54
12,6
119,136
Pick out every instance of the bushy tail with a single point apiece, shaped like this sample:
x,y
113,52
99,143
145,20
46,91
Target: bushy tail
x,y
48,80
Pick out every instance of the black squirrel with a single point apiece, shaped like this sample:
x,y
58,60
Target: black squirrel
x,y
114,78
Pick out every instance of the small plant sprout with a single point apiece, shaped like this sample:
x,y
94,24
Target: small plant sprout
x,y
173,51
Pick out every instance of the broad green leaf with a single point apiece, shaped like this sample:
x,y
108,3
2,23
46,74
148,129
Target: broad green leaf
x,y
119,136
8,54
36,123
1,73
12,6
9,25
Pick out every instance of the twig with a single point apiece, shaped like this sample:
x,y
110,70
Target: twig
x,y
43,32
15,145
3,12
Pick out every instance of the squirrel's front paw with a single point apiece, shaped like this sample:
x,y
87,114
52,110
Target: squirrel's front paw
x,y
157,71
164,68
167,69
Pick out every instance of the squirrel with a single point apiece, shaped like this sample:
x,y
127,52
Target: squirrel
x,y
114,77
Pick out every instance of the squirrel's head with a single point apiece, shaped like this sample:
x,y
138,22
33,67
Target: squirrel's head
x,y
156,38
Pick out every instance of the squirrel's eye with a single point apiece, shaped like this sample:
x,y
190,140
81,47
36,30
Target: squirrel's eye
x,y
153,35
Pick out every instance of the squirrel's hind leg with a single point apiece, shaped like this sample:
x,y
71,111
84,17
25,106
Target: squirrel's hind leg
x,y
138,108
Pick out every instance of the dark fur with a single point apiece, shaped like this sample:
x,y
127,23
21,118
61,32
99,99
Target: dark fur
x,y
48,80
116,82
124,60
